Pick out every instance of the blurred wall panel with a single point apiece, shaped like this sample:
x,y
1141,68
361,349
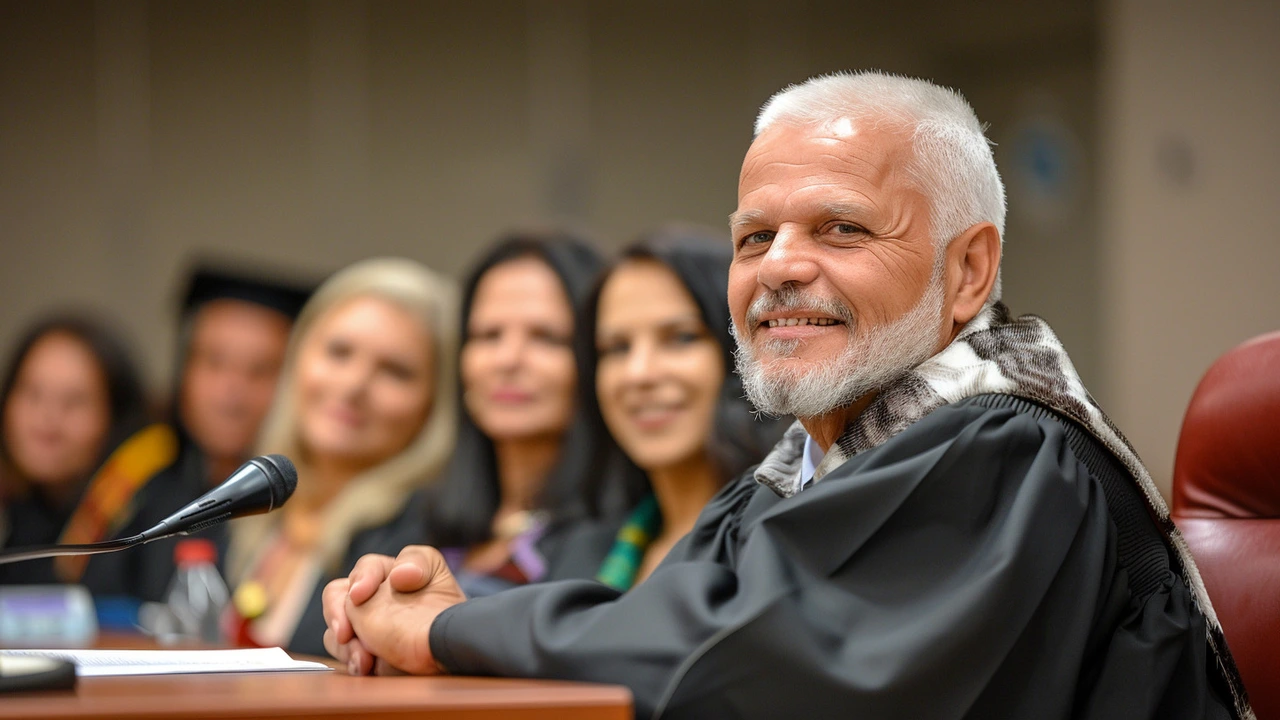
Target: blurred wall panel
x,y
672,112
230,129
1192,227
51,221
451,162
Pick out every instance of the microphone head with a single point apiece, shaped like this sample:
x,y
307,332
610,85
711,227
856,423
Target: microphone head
x,y
282,476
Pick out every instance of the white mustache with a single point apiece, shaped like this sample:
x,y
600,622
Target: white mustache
x,y
789,300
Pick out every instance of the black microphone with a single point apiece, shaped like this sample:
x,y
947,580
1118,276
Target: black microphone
x,y
258,486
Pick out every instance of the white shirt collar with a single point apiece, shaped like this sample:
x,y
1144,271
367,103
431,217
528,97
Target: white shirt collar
x,y
809,460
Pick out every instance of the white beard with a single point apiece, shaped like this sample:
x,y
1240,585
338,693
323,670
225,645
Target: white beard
x,y
868,362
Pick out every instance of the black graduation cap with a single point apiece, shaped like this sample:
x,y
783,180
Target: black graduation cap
x,y
209,283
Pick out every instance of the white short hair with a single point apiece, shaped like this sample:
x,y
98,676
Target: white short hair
x,y
953,166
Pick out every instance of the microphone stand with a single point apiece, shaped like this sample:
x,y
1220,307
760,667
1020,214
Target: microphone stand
x,y
43,551
260,485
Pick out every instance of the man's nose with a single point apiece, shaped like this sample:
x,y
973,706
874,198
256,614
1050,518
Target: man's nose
x,y
791,258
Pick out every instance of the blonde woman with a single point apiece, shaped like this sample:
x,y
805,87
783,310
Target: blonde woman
x,y
365,408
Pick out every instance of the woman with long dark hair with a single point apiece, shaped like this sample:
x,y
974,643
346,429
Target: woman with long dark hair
x,y
525,446
76,451
665,388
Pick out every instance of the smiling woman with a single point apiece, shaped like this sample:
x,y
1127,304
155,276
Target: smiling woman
x,y
517,480
364,409
667,392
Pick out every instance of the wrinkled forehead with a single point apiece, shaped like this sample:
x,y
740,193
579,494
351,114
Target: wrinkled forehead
x,y
871,151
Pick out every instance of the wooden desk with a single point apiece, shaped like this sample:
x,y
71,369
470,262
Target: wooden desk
x,y
323,695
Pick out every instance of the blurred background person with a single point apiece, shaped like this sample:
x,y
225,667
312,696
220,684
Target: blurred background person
x,y
233,331
365,409
525,448
667,391
232,343
76,452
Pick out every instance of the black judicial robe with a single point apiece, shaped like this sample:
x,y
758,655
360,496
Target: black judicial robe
x,y
990,561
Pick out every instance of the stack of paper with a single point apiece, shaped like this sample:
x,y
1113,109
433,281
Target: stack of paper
x,y
95,663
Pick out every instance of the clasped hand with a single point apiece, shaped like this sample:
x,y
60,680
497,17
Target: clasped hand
x,y
378,619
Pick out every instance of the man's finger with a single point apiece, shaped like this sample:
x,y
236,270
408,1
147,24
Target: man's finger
x,y
334,648
407,577
370,571
359,660
415,567
333,604
382,667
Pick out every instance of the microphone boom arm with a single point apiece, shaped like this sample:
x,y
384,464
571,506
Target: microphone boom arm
x,y
43,551
258,486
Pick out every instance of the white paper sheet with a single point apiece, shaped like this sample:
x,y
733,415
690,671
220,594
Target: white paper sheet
x,y
96,663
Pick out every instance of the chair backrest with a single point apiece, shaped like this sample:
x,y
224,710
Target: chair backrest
x,y
1226,502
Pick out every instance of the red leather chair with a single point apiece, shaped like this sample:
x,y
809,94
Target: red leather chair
x,y
1226,502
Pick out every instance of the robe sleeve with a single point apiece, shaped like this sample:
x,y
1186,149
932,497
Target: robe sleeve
x,y
954,571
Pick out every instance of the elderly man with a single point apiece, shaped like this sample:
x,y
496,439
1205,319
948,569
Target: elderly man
x,y
952,529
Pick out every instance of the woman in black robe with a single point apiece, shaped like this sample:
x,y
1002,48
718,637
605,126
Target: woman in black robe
x,y
76,452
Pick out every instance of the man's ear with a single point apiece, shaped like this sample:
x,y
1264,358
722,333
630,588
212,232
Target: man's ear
x,y
973,261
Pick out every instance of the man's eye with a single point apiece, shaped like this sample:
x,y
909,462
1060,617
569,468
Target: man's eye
x,y
756,238
848,229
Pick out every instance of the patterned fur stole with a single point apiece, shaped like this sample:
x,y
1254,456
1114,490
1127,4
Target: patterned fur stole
x,y
998,354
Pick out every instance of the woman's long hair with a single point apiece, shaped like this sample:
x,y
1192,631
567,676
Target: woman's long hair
x,y
378,494
740,438
459,511
126,399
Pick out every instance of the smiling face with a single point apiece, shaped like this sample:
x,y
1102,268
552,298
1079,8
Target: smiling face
x,y
364,382
660,370
519,374
57,414
834,289
230,375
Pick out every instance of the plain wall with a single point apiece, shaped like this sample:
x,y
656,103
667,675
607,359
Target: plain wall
x,y
1191,252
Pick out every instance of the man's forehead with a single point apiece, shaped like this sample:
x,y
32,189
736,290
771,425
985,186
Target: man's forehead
x,y
857,152
844,138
